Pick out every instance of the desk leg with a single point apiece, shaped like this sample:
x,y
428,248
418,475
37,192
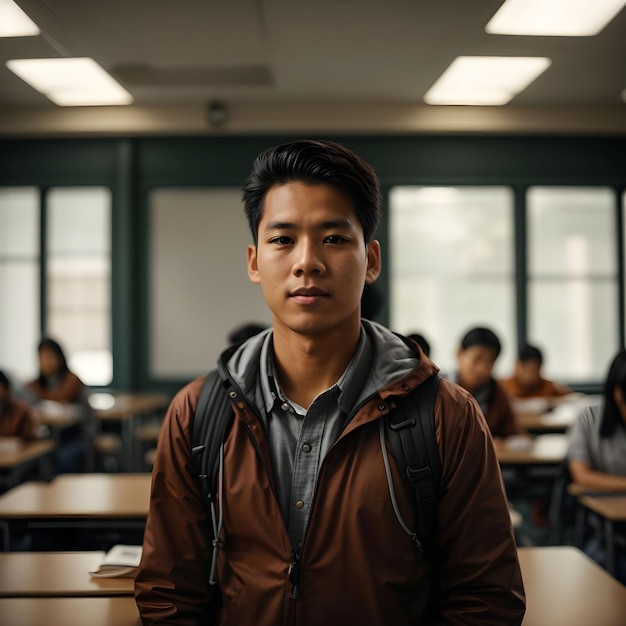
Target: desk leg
x,y
579,525
609,546
128,436
6,536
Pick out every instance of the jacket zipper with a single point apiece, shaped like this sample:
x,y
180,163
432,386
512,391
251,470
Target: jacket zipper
x,y
295,567
296,553
294,572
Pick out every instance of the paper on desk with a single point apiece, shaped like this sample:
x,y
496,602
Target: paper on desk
x,y
120,561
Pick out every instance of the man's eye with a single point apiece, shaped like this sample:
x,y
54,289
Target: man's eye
x,y
334,239
281,241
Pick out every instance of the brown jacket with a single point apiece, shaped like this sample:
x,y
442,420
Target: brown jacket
x,y
16,420
357,565
69,389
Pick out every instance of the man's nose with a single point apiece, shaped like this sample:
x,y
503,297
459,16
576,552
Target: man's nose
x,y
308,258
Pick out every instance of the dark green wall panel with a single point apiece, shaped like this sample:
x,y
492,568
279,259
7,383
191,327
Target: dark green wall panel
x,y
133,166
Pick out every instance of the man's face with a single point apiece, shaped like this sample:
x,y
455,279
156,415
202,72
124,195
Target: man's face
x,y
311,260
527,373
475,366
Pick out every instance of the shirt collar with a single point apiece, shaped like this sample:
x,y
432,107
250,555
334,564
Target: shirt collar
x,y
349,384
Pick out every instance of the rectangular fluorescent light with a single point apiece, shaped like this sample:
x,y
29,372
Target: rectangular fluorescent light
x,y
485,80
556,18
14,22
71,82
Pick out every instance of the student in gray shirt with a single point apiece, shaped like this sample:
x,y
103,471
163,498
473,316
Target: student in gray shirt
x,y
597,447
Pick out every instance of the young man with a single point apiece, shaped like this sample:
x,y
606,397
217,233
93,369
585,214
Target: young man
x,y
527,381
308,532
479,349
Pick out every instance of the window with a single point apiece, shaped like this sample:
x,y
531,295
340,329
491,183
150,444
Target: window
x,y
572,280
79,279
19,281
452,260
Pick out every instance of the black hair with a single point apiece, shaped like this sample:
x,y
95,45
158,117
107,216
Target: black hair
x,y
421,340
314,162
4,381
616,378
53,346
241,333
372,301
483,337
530,353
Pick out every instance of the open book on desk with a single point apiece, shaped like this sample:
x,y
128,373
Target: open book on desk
x,y
119,562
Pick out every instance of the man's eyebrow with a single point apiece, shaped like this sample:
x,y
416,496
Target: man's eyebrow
x,y
327,225
280,226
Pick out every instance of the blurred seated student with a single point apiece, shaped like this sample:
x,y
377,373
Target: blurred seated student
x,y
527,381
58,384
477,354
597,450
55,381
16,419
421,340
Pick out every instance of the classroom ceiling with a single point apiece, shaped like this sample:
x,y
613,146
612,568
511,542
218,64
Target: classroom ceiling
x,y
354,57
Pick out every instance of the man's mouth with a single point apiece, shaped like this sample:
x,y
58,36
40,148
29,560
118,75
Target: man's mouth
x,y
308,295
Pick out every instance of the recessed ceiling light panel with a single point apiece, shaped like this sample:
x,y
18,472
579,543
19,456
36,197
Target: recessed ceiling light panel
x,y
485,80
71,82
14,22
556,18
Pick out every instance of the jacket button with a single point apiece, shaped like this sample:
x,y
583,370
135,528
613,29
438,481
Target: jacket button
x,y
284,406
299,504
232,394
306,447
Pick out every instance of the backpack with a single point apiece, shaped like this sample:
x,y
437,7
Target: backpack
x,y
410,430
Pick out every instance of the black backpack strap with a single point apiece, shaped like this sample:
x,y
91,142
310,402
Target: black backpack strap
x,y
411,432
211,421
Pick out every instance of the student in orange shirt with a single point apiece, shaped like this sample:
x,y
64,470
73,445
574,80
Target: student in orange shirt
x,y
527,381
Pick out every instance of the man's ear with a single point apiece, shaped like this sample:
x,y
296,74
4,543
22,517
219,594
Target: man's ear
x,y
373,262
253,269
618,396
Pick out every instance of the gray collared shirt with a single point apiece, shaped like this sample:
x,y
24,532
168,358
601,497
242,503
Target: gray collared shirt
x,y
299,438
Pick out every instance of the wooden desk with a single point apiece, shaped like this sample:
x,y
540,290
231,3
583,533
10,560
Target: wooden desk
x,y
14,462
566,588
56,415
117,611
545,450
28,451
545,422
108,406
78,500
126,408
35,574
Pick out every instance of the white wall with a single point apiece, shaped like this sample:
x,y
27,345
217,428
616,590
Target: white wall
x,y
199,286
